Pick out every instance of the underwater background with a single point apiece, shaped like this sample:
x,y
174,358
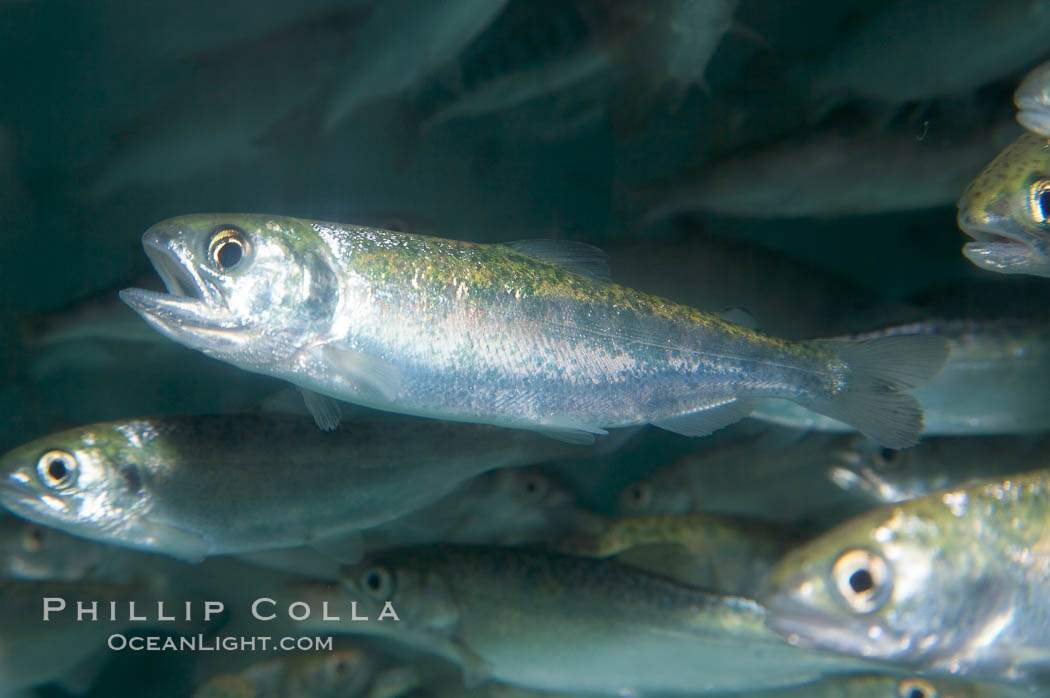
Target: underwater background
x,y
794,167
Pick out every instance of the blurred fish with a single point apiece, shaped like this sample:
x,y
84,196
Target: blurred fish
x,y
403,42
343,673
198,486
555,622
920,49
527,335
993,382
100,316
952,583
774,477
845,686
787,297
238,96
532,50
1006,210
31,551
512,506
887,476
663,46
1033,101
660,50
829,173
718,553
510,90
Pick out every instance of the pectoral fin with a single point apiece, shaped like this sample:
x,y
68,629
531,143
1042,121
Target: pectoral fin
x,y
371,375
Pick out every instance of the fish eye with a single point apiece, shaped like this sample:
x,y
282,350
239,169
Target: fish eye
x,y
57,469
862,579
378,582
637,496
916,688
32,538
228,246
1040,201
535,487
889,455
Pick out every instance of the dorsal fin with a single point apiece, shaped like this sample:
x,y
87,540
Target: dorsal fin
x,y
578,257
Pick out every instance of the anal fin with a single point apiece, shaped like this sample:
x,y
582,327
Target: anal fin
x,y
707,419
569,432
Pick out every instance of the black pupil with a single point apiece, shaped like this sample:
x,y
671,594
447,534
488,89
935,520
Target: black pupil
x,y
57,469
889,454
916,693
530,487
861,581
1044,204
229,253
374,581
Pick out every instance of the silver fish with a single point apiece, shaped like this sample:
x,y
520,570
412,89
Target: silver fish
x,y
193,487
510,335
952,583
562,623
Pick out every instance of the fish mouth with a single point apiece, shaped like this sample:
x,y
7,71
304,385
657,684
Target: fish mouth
x,y
1001,245
1035,119
29,503
804,626
178,272
192,311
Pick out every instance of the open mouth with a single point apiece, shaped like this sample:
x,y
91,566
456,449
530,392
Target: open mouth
x,y
175,274
996,231
192,310
1000,245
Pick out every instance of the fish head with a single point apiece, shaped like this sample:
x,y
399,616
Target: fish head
x,y
883,475
400,578
652,497
1033,100
1006,210
92,482
248,289
341,672
887,585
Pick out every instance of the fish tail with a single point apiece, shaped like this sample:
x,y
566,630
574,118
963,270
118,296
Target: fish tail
x,y
877,371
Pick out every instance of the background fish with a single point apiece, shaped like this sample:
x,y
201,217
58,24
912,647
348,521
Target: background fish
x,y
198,486
1033,101
556,622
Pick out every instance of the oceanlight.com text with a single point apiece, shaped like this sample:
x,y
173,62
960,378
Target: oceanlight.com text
x,y
229,643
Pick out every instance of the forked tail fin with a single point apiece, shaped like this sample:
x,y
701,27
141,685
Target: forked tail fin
x,y
878,370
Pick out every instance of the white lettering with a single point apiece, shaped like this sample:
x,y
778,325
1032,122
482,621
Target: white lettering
x,y
83,611
50,606
255,609
212,608
388,612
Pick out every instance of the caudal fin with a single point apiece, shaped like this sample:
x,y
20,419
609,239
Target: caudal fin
x,y
878,370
